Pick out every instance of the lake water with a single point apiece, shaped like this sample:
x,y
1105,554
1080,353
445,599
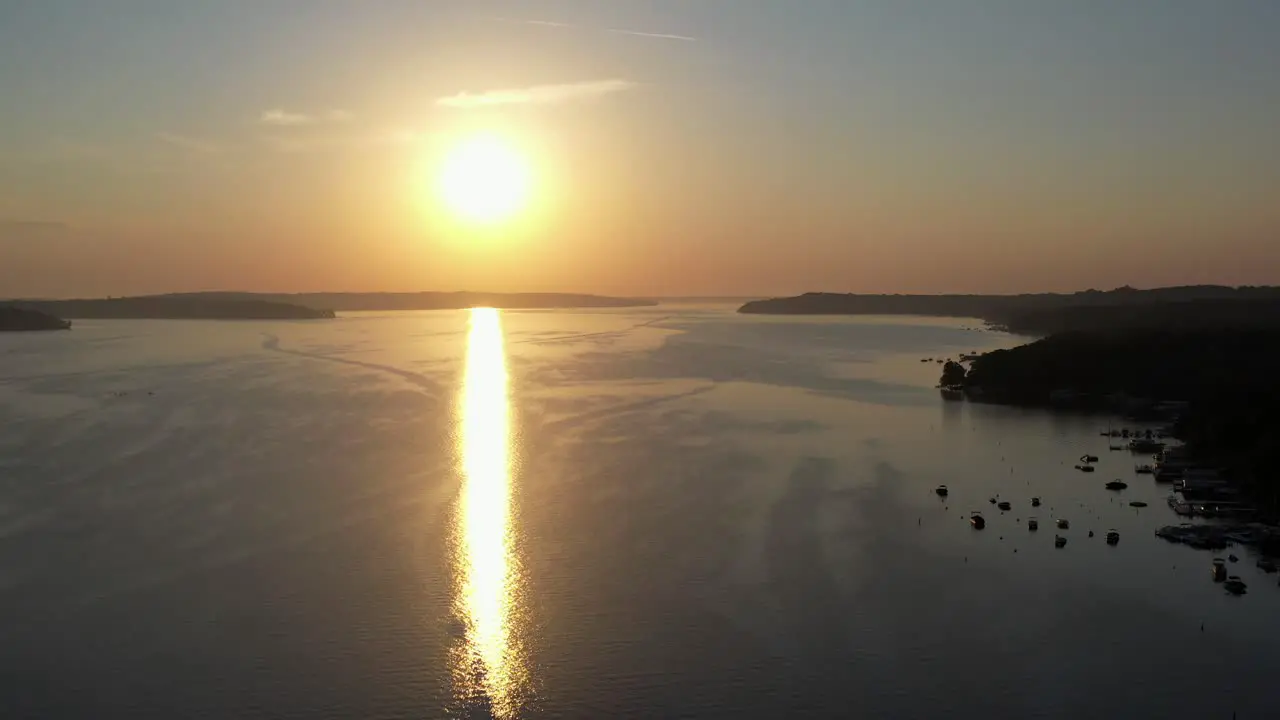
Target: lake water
x,y
666,512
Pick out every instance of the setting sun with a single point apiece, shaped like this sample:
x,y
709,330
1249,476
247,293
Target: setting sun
x,y
484,179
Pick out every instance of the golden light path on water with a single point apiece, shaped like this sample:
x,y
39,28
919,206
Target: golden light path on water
x,y
489,667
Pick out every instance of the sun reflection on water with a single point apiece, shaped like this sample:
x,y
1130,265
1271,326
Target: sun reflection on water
x,y
488,667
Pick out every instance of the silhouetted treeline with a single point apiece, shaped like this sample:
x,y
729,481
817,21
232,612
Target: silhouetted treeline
x,y
1228,379
1000,309
422,300
1191,365
1240,314
17,319
175,308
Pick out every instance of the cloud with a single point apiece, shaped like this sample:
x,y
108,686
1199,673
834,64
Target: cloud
x,y
286,118
536,94
193,144
614,31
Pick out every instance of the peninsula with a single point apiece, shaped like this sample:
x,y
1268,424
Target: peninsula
x,y
1030,314
383,301
162,307
19,319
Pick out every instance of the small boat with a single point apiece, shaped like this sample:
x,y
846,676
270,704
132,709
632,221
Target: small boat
x,y
1063,524
1142,445
1219,570
1266,565
1035,502
977,521
1137,503
1004,505
941,490
1117,485
1235,585
1059,541
1233,558
1113,537
1144,469
1088,458
992,501
1033,524
1085,468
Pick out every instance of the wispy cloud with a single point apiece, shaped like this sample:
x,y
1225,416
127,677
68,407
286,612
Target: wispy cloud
x,y
192,144
614,31
536,94
280,117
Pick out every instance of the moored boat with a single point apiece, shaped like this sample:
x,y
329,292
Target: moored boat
x,y
1235,585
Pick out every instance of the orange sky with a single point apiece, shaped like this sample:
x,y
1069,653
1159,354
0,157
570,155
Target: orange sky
x,y
675,150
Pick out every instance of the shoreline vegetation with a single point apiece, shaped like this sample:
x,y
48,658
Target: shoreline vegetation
x,y
18,319
1046,313
173,308
302,306
387,301
1200,358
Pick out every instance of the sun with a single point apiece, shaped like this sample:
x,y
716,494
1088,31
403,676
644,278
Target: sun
x,y
483,179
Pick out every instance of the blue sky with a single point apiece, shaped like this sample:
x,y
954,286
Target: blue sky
x,y
682,146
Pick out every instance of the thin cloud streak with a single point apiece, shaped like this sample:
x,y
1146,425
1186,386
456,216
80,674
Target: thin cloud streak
x,y
285,118
193,144
536,94
660,36
614,31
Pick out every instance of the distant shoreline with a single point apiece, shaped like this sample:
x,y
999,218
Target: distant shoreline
x,y
19,319
1125,308
304,306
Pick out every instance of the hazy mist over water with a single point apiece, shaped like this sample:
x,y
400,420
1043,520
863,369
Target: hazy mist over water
x,y
664,512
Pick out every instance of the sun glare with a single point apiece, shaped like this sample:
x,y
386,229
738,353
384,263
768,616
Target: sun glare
x,y
483,179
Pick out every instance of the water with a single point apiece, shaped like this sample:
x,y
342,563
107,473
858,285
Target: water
x,y
666,512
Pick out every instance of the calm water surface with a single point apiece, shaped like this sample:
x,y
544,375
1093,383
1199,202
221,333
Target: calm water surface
x,y
666,512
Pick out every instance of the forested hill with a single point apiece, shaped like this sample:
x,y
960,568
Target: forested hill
x,y
160,307
356,301
999,309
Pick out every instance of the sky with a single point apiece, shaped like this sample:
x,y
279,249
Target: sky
x,y
675,147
